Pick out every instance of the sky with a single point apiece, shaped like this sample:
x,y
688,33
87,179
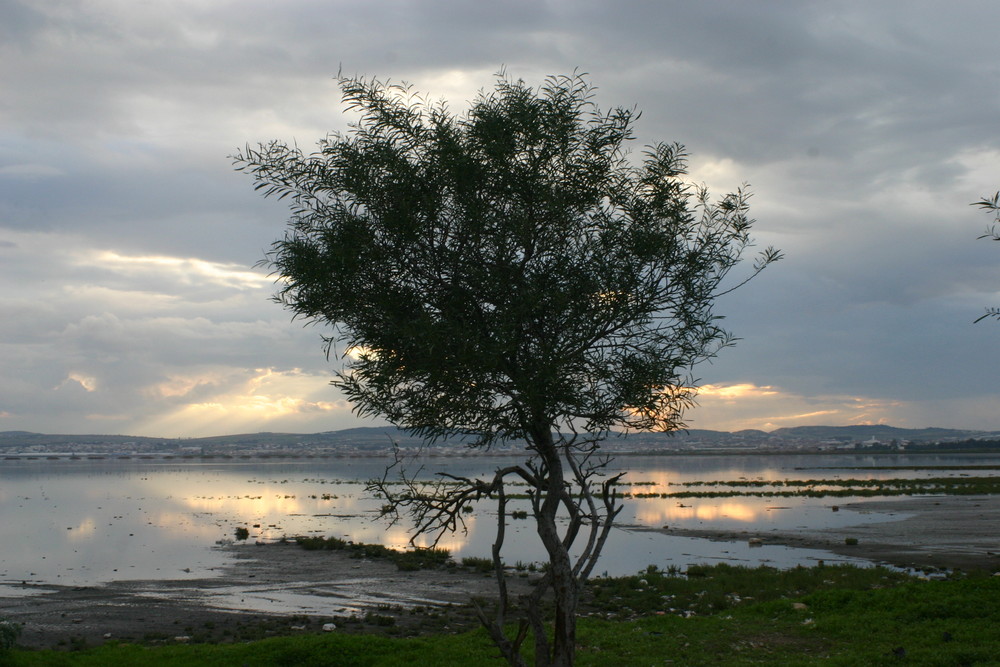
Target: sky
x,y
130,297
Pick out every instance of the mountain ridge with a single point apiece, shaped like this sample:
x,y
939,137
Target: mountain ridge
x,y
382,437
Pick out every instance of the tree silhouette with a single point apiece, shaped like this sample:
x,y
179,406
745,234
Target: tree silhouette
x,y
508,275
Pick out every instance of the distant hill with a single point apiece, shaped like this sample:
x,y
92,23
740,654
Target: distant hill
x,y
381,438
867,432
365,438
20,438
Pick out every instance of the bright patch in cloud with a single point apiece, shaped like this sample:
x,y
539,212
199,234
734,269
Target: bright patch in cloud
x,y
720,175
455,85
178,386
748,406
736,391
188,270
87,382
265,400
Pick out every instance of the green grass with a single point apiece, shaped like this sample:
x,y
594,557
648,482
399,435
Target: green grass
x,y
303,651
722,615
478,564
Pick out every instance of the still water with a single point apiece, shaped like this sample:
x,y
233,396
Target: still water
x,y
86,522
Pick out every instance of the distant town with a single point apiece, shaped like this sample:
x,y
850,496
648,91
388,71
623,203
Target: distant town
x,y
380,441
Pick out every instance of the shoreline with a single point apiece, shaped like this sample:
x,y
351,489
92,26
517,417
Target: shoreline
x,y
264,590
313,588
930,533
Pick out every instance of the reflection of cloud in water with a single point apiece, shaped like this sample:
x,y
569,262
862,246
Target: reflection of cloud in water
x,y
84,530
181,525
655,513
343,504
398,536
453,542
274,499
138,520
265,503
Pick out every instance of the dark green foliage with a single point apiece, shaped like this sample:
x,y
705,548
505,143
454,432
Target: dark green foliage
x,y
9,632
242,533
505,266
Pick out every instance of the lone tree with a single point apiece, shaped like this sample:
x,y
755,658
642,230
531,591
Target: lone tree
x,y
991,204
508,275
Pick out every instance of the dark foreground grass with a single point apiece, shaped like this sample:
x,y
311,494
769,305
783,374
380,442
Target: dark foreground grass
x,y
716,616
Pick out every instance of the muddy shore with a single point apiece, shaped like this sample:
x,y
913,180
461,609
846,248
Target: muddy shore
x,y
925,533
265,590
281,589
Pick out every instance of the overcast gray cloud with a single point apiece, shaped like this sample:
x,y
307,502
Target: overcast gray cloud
x,y
128,293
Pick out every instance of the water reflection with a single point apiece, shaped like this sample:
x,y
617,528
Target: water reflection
x,y
659,511
80,523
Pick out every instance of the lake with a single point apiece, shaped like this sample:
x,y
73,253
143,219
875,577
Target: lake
x,y
90,521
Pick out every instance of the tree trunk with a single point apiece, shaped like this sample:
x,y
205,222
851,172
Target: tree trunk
x,y
564,585
564,590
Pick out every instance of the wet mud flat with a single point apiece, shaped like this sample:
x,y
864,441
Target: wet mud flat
x,y
923,533
266,590
280,589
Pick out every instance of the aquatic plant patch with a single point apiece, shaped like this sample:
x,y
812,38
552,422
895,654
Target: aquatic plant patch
x,y
838,488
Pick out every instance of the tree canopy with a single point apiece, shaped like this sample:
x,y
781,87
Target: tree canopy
x,y
507,269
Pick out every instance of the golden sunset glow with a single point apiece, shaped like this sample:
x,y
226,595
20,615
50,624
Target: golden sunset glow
x,y
735,391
